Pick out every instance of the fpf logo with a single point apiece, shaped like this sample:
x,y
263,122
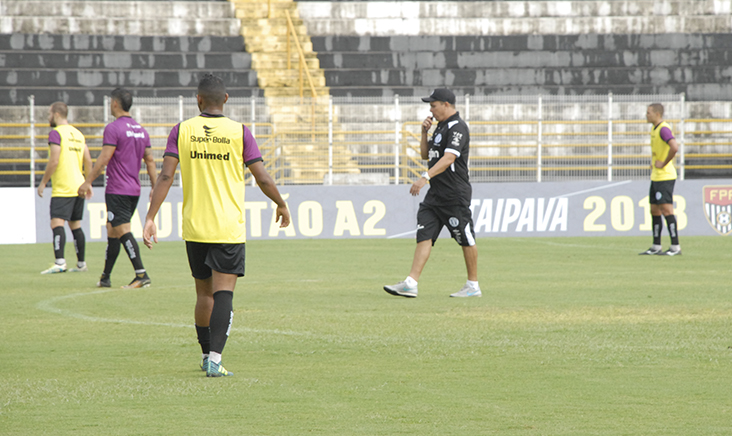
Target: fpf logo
x,y
718,207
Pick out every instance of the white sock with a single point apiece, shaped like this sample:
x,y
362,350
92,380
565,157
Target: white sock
x,y
61,261
473,285
676,248
204,356
656,247
214,357
80,264
410,282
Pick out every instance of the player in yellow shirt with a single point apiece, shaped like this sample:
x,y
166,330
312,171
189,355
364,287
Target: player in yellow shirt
x,y
213,152
663,178
68,159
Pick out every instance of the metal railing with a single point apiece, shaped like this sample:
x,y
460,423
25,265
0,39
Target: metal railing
x,y
540,141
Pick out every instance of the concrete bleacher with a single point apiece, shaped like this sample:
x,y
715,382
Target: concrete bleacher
x,y
77,51
487,48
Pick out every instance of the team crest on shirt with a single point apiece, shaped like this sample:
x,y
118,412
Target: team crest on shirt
x,y
438,138
718,207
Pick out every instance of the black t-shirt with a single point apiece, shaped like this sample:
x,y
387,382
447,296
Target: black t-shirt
x,y
452,186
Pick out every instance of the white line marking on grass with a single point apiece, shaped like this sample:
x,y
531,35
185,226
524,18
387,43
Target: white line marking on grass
x,y
48,306
592,189
402,234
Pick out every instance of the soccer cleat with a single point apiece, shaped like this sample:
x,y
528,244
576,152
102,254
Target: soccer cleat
x,y
467,291
214,369
401,289
671,252
77,269
204,364
652,251
55,269
138,282
104,282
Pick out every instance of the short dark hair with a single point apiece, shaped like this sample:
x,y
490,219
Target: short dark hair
x,y
123,97
657,108
60,108
212,89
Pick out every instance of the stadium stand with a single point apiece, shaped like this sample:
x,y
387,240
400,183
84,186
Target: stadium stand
x,y
509,48
76,51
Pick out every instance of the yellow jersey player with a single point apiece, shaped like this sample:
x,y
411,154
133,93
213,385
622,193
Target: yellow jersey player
x,y
663,178
213,152
68,159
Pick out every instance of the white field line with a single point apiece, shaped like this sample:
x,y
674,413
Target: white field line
x,y
49,306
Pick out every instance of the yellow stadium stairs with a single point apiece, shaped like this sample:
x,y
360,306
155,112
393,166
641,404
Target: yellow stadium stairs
x,y
300,121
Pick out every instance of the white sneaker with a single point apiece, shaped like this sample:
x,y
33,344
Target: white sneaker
x,y
467,291
55,269
77,269
402,289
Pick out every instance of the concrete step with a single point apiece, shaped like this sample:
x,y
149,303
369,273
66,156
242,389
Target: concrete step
x,y
511,43
287,79
527,59
118,43
710,92
118,9
509,9
129,60
252,31
254,45
520,26
82,96
497,77
121,26
294,92
262,60
93,78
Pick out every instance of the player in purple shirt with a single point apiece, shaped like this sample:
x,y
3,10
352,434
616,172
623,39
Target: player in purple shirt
x,y
125,145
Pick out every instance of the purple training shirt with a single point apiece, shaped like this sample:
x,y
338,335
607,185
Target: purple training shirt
x,y
250,153
123,170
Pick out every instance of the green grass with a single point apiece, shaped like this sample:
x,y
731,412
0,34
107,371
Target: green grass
x,y
573,336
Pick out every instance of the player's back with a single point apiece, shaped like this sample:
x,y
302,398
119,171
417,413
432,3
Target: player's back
x,y
211,155
130,140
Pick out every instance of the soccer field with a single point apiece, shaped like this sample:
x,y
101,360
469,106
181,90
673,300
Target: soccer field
x,y
573,336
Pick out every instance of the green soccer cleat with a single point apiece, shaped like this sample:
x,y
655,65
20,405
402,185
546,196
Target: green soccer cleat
x,y
214,369
55,269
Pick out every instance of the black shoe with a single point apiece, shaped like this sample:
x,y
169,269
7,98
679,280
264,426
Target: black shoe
x,y
104,282
139,282
652,251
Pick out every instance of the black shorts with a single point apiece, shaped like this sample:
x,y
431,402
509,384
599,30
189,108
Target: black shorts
x,y
120,208
458,219
224,258
662,192
67,208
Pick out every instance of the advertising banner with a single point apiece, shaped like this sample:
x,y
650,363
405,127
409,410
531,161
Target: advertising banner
x,y
590,208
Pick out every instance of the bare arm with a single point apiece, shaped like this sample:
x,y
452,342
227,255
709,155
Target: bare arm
x,y
438,168
87,168
673,148
150,164
53,157
102,161
267,185
159,192
423,144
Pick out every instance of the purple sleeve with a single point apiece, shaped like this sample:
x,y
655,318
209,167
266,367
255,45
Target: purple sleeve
x,y
666,134
171,148
54,137
251,151
110,135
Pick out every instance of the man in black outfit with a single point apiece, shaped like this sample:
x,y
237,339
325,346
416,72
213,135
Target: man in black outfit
x,y
447,202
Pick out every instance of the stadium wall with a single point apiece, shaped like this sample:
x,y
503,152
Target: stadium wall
x,y
589,208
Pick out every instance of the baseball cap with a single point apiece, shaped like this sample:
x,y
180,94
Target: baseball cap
x,y
440,94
